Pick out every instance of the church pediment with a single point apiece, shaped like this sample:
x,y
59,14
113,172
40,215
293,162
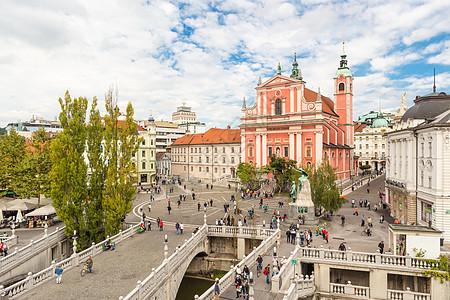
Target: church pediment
x,y
277,80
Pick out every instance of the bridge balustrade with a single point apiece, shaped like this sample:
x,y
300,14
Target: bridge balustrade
x,y
33,280
258,232
407,295
228,280
23,254
349,289
286,272
318,255
152,284
300,287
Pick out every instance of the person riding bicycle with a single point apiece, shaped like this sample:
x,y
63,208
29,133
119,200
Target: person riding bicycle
x,y
89,263
368,230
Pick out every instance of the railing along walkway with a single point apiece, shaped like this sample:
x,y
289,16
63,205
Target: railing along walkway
x,y
19,256
385,261
228,280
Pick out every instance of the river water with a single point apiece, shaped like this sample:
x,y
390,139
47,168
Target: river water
x,y
191,286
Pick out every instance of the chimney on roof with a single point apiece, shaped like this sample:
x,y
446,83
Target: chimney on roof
x,y
319,96
228,127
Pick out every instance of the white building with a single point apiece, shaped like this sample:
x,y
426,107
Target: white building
x,y
208,156
27,128
418,164
145,157
163,165
187,120
370,143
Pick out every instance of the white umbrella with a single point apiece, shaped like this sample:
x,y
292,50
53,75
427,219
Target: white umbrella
x,y
19,217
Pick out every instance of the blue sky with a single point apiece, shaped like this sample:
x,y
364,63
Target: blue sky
x,y
211,53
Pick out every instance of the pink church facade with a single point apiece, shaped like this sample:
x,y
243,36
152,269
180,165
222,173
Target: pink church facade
x,y
294,122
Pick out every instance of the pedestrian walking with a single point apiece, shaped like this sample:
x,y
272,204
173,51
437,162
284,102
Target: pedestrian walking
x,y
198,206
58,272
381,218
161,225
288,236
177,227
266,273
381,247
181,228
356,211
169,208
216,290
363,221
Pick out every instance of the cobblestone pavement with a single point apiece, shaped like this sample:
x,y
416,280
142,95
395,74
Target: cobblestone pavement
x,y
115,273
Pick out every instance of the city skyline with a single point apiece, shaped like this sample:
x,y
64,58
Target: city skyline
x,y
210,54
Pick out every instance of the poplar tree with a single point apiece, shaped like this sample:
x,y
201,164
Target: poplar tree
x,y
97,166
12,153
325,192
69,170
121,142
35,167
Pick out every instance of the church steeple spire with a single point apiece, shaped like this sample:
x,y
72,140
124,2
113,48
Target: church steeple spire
x,y
343,67
296,73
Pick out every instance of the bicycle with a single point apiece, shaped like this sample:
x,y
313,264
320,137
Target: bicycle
x,y
365,233
84,270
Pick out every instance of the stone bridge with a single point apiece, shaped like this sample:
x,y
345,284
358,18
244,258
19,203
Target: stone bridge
x,y
164,282
119,268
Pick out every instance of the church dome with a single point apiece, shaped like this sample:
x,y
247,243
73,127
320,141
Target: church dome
x,y
428,106
380,122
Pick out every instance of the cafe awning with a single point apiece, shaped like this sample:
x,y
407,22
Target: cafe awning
x,y
43,211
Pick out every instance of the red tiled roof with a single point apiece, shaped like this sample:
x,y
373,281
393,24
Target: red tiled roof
x,y
212,136
360,127
328,104
160,154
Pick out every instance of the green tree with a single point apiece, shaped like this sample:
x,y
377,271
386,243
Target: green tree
x,y
324,190
122,142
12,153
35,167
248,175
96,180
69,170
283,171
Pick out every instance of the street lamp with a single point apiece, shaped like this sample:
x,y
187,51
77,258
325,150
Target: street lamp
x,y
166,248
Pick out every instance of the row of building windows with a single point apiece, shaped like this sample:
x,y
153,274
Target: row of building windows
x,y
144,165
152,142
206,169
375,154
375,146
178,158
199,149
375,138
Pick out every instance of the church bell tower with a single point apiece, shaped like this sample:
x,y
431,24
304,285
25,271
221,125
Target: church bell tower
x,y
343,92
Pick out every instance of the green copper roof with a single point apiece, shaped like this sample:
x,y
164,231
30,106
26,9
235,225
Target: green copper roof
x,y
343,71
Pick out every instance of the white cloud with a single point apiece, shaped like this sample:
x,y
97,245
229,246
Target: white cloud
x,y
164,52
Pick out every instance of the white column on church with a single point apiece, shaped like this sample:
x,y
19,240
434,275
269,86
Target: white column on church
x,y
284,106
291,100
258,150
299,148
319,146
272,107
243,148
264,103
264,149
291,145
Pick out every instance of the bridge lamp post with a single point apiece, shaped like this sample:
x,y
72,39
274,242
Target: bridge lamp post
x,y
166,248
74,242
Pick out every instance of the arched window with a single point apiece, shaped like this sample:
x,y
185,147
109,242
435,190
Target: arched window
x,y
341,86
278,107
